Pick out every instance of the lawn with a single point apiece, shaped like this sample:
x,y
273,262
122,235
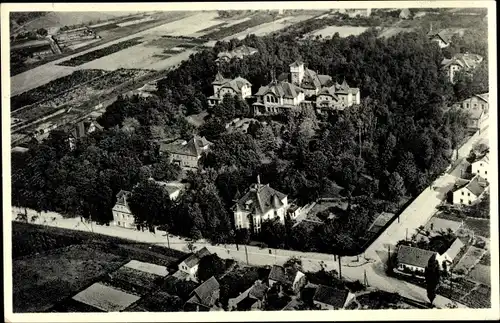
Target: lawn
x,y
480,227
344,31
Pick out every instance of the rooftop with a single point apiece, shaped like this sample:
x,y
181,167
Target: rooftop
x,y
414,256
280,89
205,294
194,147
259,199
331,296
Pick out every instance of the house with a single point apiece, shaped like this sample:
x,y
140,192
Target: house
x,y
173,189
290,278
122,216
413,259
405,14
205,297
251,299
236,87
450,254
442,38
460,62
81,129
480,167
337,97
259,203
186,153
308,80
470,191
190,264
278,97
239,52
478,108
330,298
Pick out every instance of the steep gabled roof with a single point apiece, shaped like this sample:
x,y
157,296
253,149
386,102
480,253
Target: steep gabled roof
x,y
476,185
331,296
297,63
329,91
219,79
122,197
414,256
484,96
236,84
280,89
195,258
205,294
260,199
455,248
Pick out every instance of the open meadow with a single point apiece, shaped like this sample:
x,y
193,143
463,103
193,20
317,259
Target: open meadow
x,y
344,31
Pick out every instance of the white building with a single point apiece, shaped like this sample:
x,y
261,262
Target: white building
x,y
278,97
190,264
470,192
173,189
337,97
258,204
450,254
460,62
413,259
236,87
481,166
122,216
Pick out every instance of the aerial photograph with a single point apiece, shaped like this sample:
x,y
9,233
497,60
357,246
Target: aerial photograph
x,y
250,160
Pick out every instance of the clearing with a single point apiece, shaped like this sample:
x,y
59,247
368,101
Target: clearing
x,y
344,31
481,274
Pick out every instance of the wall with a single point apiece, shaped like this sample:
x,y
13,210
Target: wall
x,y
123,217
463,196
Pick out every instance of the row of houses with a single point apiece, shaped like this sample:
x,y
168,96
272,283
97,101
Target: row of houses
x,y
289,91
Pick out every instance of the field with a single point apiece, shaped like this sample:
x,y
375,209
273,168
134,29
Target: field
x,y
90,56
39,281
79,94
480,227
479,297
481,274
52,264
344,31
471,257
52,88
393,31
265,28
67,18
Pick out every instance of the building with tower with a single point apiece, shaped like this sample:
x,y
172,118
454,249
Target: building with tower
x,y
236,87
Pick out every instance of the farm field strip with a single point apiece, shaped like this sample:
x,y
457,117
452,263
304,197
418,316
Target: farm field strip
x,y
269,27
236,28
135,22
98,53
147,267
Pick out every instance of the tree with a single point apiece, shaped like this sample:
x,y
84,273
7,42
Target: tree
x,y
432,276
396,187
209,266
150,203
130,125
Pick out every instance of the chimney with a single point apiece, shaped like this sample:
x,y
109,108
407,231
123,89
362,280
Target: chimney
x,y
258,179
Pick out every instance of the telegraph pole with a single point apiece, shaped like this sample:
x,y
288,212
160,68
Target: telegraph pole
x,y
246,254
406,234
365,279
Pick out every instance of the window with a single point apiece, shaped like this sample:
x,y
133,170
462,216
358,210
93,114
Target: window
x,y
468,194
461,201
469,202
462,193
467,105
485,172
119,223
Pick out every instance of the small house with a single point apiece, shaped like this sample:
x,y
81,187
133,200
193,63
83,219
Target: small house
x,y
190,264
251,299
480,167
413,260
122,216
330,298
470,192
450,254
173,189
186,154
239,87
290,278
460,62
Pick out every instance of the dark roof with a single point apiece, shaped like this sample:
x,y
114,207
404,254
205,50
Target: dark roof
x,y
464,60
330,295
205,294
194,258
194,147
219,79
414,256
258,290
313,80
297,63
283,275
122,197
236,84
476,185
280,89
260,199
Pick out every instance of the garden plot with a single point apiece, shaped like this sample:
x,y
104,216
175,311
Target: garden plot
x,y
344,31
37,76
131,280
479,297
481,227
469,260
42,280
270,27
481,274
106,298
158,302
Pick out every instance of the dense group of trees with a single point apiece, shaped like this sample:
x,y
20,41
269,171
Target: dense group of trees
x,y
392,145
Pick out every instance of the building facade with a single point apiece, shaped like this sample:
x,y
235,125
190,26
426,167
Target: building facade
x,y
278,97
258,204
239,87
481,167
470,192
460,62
122,216
186,154
337,97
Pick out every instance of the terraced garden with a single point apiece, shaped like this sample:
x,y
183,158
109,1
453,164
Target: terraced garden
x,y
96,54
